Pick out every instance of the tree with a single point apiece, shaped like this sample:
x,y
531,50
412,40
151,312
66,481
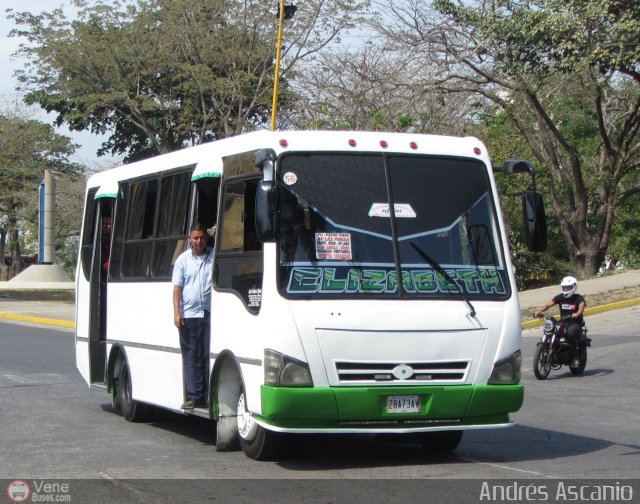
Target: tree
x,y
564,73
371,89
27,148
163,74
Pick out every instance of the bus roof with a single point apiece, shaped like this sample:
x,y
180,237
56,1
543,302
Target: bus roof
x,y
207,158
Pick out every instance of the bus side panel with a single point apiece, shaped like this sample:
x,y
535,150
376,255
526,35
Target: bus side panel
x,y
141,320
247,335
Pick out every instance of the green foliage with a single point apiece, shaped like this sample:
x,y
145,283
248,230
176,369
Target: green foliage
x,y
159,75
544,36
625,244
565,74
28,148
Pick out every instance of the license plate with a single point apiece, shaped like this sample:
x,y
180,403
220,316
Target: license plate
x,y
403,404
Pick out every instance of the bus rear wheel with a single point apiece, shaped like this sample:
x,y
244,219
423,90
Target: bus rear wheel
x,y
132,410
257,442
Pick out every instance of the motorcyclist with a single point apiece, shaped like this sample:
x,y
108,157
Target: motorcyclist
x,y
571,304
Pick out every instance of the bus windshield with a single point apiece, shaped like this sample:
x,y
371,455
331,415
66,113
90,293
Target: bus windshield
x,y
337,238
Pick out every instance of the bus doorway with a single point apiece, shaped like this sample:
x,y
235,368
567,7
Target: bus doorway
x,y
96,249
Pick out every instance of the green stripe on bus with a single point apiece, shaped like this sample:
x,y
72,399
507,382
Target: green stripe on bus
x,y
326,407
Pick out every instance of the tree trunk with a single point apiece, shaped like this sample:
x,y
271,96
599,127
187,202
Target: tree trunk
x,y
16,255
4,269
586,263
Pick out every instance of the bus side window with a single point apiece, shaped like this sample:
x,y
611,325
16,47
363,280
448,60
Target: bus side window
x,y
119,221
206,212
88,233
239,262
139,235
173,213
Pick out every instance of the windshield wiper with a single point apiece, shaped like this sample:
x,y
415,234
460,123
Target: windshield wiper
x,y
434,264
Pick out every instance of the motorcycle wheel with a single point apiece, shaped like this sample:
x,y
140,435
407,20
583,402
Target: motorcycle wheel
x,y
541,362
583,362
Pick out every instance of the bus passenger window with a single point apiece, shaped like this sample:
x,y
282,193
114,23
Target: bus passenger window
x,y
173,213
207,204
86,250
239,259
142,209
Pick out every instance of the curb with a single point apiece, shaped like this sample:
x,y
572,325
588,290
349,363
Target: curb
x,y
530,324
39,320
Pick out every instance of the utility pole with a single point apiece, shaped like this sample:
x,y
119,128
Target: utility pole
x,y
284,12
46,245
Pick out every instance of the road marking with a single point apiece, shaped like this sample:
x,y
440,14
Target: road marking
x,y
38,320
500,466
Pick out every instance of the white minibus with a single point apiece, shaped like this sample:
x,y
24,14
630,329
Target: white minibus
x,y
362,283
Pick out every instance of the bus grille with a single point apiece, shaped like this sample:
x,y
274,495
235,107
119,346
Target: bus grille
x,y
388,372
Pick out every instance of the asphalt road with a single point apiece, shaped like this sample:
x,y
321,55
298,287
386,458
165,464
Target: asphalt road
x,y
54,426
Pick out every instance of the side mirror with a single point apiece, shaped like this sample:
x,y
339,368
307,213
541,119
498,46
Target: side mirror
x,y
265,196
265,212
265,160
535,221
516,166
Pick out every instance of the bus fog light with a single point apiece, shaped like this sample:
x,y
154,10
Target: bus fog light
x,y
283,371
507,371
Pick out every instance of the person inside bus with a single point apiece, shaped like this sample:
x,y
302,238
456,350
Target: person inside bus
x,y
105,248
571,305
191,304
105,244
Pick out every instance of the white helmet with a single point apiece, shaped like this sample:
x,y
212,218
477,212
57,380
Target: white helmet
x,y
569,286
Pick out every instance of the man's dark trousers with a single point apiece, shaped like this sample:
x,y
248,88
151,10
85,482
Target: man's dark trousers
x,y
194,344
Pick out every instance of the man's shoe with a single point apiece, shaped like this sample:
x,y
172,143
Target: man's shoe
x,y
575,363
200,404
188,405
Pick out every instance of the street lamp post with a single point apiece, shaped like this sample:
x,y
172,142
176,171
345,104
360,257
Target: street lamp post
x,y
283,13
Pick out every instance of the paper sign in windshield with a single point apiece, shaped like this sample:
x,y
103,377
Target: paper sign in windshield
x,y
333,246
402,210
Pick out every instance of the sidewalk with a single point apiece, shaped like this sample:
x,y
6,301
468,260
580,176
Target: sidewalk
x,y
62,312
53,313
597,285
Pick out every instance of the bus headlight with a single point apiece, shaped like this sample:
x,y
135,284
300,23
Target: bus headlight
x,y
507,371
283,371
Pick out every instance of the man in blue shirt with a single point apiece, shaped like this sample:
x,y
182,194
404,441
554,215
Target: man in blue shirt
x,y
191,314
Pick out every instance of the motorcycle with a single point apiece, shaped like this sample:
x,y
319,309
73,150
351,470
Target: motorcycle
x,y
554,350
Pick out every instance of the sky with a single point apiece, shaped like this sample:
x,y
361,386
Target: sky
x,y
89,143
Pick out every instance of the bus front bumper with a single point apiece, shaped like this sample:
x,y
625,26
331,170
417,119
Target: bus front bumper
x,y
365,409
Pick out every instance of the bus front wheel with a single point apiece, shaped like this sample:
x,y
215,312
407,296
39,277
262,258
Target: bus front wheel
x,y
257,442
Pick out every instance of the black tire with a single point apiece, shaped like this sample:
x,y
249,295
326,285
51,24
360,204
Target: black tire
x,y
132,410
541,362
441,442
256,442
583,362
115,396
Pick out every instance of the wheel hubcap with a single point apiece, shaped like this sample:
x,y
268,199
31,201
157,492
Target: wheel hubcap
x,y
247,427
